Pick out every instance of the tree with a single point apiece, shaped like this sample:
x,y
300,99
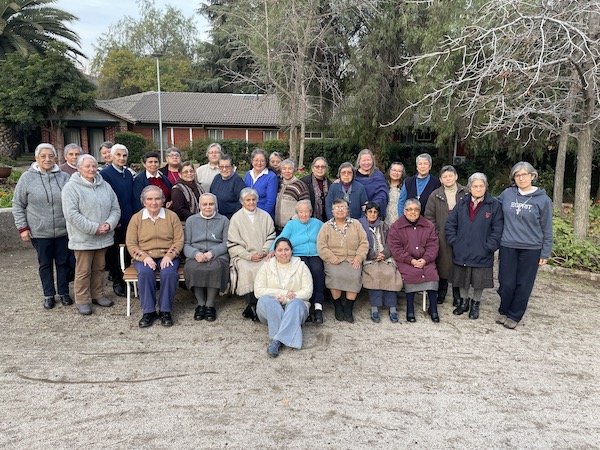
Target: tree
x,y
49,86
31,27
517,60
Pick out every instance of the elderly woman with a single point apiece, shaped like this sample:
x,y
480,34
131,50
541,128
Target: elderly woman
x,y
251,233
150,175
283,286
414,245
421,185
207,265
37,209
291,191
526,242
302,232
92,212
186,192
372,179
318,186
173,167
379,274
264,181
154,241
343,246
474,229
227,187
206,173
349,190
441,202
275,160
394,179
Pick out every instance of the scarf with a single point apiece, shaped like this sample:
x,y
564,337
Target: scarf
x,y
191,197
320,195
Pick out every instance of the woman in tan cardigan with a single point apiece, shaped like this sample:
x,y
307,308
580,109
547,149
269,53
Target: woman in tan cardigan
x,y
342,245
154,241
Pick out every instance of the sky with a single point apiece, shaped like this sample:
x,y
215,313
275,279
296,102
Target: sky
x,y
95,16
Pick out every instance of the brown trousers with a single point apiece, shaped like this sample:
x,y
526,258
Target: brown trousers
x,y
89,275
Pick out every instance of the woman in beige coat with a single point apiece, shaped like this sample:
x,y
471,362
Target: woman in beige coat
x,y
342,245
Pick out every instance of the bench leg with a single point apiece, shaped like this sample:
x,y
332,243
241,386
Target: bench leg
x,y
128,299
424,301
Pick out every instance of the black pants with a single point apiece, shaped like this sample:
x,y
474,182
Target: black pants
x,y
112,256
54,251
317,270
516,275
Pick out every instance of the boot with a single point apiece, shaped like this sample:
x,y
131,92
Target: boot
x,y
474,312
463,306
348,306
339,309
442,291
455,296
250,311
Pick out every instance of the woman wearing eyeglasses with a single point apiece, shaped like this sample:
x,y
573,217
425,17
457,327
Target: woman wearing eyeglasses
x,y
227,186
349,190
526,242
186,192
318,187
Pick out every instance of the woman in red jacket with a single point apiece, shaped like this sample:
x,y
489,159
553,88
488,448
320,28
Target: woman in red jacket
x,y
414,245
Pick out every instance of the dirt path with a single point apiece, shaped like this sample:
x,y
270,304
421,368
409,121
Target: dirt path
x,y
101,382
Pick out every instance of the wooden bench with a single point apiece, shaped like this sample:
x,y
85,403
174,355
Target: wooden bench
x,y
130,276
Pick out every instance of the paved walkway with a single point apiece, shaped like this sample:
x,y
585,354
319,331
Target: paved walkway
x,y
101,382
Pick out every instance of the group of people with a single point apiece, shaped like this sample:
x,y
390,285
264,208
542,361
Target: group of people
x,y
284,244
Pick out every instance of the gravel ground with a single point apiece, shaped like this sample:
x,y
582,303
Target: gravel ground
x,y
101,382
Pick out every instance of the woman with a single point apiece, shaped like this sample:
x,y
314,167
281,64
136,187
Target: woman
x,y
342,245
441,202
473,230
420,185
275,163
349,190
394,179
92,212
150,175
372,179
414,245
379,274
207,265
37,209
251,233
318,186
302,232
173,167
227,187
186,192
263,181
291,191
283,286
206,173
154,241
526,242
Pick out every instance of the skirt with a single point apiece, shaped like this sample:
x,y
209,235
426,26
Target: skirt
x,y
425,286
212,274
343,277
382,276
478,277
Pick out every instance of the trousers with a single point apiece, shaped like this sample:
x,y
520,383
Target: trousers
x,y
284,322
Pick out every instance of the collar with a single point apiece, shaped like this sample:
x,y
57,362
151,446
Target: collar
x,y
121,170
161,214
264,172
149,175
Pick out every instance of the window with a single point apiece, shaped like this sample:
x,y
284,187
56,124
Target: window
x,y
270,135
313,135
72,136
156,137
215,135
424,136
95,140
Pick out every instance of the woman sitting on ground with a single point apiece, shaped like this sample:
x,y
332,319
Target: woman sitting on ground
x,y
291,191
251,233
414,245
342,244
474,229
283,286
302,232
379,274
186,193
207,265
154,241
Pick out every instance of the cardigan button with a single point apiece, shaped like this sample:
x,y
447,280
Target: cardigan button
x,y
416,248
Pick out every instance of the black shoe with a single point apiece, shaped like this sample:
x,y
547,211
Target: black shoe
x,y
410,318
211,314
200,313
66,300
119,289
148,319
434,316
474,312
250,313
49,302
348,306
318,317
165,319
463,306
455,301
339,309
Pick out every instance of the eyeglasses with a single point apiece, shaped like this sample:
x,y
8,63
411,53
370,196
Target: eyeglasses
x,y
340,207
174,155
412,209
522,175
225,167
187,172
320,167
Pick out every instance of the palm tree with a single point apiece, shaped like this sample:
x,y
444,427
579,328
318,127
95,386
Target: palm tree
x,y
29,27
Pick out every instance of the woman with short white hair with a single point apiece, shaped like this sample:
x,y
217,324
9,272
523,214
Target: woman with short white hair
x,y
291,191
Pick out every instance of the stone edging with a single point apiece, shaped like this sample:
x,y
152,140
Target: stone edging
x,y
581,274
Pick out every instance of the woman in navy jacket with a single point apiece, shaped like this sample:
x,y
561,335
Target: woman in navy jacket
x,y
473,230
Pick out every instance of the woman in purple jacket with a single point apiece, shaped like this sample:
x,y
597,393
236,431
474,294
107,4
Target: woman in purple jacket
x,y
414,245
372,179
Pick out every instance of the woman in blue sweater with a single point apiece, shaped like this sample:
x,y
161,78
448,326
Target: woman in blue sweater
x,y
302,233
263,181
347,189
526,242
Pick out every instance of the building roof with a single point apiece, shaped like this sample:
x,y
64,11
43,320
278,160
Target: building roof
x,y
196,108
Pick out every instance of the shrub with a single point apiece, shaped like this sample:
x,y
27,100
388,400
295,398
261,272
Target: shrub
x,y
571,252
7,188
135,143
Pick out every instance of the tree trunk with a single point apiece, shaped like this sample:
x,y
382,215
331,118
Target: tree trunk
x,y
301,146
583,183
559,169
293,141
8,142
